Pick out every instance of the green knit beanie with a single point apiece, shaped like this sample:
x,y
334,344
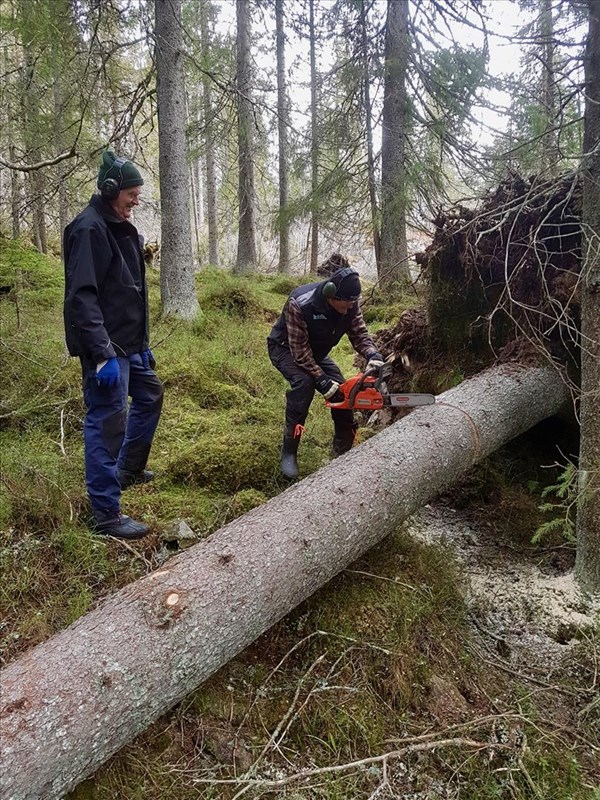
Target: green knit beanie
x,y
126,175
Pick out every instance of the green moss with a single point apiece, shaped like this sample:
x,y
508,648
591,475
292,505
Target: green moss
x,y
27,270
163,501
38,383
245,501
230,295
49,580
41,487
386,306
77,604
285,285
241,459
204,390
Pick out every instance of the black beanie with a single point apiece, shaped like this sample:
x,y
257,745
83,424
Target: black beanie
x,y
127,175
348,286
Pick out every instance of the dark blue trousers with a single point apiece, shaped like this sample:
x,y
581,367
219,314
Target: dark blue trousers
x,y
115,437
302,389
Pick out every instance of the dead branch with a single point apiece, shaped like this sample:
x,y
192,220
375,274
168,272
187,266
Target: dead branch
x,y
384,758
50,162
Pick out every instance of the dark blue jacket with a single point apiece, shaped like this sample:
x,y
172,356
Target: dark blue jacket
x,y
106,306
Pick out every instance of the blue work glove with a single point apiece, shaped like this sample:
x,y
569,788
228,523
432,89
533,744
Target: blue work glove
x,y
329,389
108,373
148,359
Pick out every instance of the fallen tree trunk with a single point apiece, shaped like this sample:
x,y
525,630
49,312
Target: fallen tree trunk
x,y
73,701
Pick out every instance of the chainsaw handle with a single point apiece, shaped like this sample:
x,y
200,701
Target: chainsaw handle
x,y
380,373
358,386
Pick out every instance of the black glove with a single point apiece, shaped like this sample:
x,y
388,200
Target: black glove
x,y
374,364
329,389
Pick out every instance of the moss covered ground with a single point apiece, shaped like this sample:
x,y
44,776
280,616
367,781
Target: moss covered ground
x,y
379,658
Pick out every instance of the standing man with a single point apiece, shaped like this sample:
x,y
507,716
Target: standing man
x,y
314,319
106,325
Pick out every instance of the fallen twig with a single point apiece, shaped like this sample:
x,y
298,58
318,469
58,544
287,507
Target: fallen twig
x,y
347,767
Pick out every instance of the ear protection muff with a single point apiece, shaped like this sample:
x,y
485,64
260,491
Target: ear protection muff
x,y
112,186
330,288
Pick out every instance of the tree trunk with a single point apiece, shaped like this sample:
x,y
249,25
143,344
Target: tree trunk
x,y
314,148
194,192
369,135
588,507
200,184
209,143
394,251
15,193
550,150
177,280
38,205
31,116
10,64
61,170
73,701
246,252
282,130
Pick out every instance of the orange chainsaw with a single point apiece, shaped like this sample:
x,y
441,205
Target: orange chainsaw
x,y
368,392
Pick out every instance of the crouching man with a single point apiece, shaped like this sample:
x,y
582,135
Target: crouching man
x,y
313,320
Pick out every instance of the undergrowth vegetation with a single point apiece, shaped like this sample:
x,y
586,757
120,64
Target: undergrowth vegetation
x,y
380,659
215,453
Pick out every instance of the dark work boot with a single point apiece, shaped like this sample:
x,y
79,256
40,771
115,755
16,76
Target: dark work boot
x,y
289,451
118,525
342,442
127,479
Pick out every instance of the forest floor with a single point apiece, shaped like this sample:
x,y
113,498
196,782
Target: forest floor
x,y
525,599
454,661
499,659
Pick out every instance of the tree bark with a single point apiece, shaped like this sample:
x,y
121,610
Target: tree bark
x,y
61,172
73,701
209,142
369,136
194,190
9,63
194,196
246,251
588,506
32,124
15,192
177,274
393,267
550,150
314,147
282,130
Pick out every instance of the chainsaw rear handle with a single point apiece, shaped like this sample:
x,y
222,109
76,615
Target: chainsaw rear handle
x,y
342,404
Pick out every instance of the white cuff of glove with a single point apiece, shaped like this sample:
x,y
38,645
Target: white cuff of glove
x,y
331,391
375,362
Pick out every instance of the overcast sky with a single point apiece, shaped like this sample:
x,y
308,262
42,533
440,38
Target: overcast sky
x,y
504,19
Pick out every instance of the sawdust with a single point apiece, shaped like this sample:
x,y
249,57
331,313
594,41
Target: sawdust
x,y
533,611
